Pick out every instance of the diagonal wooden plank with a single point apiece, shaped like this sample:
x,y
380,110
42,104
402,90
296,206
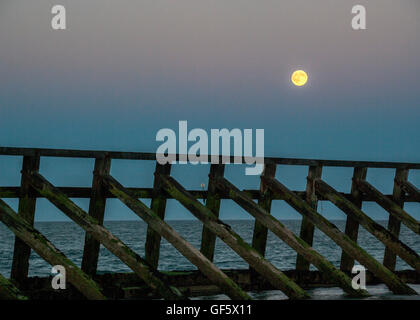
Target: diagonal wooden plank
x,y
259,238
382,234
277,278
352,226
394,224
395,284
411,189
27,202
296,243
307,229
8,290
208,238
97,211
158,205
150,276
185,248
46,250
393,208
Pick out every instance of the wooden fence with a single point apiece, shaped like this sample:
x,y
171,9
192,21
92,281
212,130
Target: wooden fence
x,y
34,185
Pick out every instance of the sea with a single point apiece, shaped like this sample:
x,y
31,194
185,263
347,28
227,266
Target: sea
x,y
69,238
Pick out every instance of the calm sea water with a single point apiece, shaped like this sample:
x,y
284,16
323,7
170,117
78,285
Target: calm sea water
x,y
69,238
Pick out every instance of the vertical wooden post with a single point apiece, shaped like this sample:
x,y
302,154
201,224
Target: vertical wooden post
x,y
307,229
27,203
259,238
97,211
158,205
394,224
208,238
352,226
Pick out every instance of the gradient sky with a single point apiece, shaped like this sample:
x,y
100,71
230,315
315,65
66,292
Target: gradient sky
x,y
125,69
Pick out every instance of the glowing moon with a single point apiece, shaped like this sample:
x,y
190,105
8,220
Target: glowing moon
x,y
299,78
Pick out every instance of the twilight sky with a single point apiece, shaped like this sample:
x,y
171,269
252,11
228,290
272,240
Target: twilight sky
x,y
125,69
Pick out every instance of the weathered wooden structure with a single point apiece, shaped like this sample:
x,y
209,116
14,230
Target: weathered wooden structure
x,y
149,282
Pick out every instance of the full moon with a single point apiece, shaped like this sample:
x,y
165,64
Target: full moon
x,y
299,78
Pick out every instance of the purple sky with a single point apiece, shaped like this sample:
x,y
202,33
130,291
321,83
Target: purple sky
x,y
125,69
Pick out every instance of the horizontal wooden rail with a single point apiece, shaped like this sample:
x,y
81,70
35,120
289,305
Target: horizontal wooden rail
x,y
194,283
70,153
147,193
